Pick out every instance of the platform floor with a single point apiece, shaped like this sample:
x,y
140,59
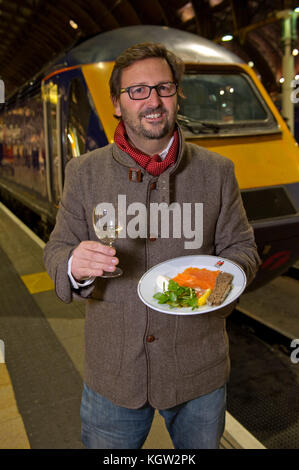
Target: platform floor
x,y
276,305
41,378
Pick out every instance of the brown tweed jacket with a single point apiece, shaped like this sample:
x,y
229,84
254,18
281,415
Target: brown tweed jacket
x,y
190,355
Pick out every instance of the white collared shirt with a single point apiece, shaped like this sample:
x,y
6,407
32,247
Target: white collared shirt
x,y
165,151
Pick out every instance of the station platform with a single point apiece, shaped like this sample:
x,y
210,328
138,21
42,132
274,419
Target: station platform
x,y
41,356
275,305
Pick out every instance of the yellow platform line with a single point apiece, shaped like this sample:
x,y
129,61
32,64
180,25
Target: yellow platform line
x,y
38,282
12,430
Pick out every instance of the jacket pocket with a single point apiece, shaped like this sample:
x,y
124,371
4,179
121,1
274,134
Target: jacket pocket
x,y
104,336
201,343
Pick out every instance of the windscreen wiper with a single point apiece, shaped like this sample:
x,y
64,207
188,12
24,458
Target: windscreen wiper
x,y
198,127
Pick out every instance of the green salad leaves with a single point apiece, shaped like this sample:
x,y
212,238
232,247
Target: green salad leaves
x,y
177,296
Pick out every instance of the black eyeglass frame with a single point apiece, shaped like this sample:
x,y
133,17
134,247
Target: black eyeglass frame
x,y
150,88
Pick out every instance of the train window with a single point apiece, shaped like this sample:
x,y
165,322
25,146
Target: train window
x,y
267,203
21,135
78,119
223,104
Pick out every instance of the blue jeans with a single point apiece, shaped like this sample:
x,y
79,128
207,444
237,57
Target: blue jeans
x,y
196,424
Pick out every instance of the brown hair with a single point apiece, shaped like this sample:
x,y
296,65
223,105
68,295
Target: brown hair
x,y
144,51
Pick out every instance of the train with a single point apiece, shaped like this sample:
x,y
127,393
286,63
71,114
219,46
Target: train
x,y
66,111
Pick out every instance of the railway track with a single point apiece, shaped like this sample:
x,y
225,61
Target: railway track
x,y
277,324
263,391
274,307
263,332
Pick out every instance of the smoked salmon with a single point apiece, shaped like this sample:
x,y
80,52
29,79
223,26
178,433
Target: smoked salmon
x,y
197,277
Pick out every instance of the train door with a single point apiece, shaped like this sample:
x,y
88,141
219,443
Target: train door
x,y
83,129
72,126
53,132
77,119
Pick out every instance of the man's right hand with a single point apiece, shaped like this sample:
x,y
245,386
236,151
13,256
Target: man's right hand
x,y
91,259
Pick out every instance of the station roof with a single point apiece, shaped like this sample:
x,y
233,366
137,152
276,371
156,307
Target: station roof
x,y
34,32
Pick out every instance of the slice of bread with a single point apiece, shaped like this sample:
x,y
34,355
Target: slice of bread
x,y
222,287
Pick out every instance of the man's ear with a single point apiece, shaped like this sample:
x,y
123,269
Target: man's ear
x,y
115,102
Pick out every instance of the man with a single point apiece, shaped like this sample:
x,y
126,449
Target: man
x,y
137,359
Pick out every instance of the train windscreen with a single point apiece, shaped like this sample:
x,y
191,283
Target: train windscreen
x,y
218,103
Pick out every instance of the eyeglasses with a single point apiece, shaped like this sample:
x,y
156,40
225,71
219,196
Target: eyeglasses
x,y
142,92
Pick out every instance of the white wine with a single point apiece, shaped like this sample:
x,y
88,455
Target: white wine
x,y
107,234
104,224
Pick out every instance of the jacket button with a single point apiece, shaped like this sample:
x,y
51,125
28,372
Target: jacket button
x,y
150,339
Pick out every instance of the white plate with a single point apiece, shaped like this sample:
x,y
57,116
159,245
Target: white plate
x,y
147,285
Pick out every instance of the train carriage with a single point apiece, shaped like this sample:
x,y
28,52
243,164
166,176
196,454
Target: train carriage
x,y
66,111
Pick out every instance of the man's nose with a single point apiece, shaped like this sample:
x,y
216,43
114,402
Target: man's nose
x,y
154,98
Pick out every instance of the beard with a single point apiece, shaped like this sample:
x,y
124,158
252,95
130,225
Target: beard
x,y
153,130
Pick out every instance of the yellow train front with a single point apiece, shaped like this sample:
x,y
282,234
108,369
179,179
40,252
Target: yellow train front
x,y
226,110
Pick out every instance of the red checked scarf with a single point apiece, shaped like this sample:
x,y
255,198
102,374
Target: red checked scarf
x,y
153,164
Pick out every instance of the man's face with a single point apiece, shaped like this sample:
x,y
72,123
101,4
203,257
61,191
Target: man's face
x,y
151,118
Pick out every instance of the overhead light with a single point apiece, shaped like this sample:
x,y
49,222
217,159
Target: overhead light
x,y
74,24
251,63
281,80
296,77
221,92
186,13
214,3
227,37
295,51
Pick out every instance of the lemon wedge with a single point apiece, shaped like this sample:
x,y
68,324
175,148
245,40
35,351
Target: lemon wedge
x,y
202,300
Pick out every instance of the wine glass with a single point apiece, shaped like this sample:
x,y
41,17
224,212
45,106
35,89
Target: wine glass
x,y
107,230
